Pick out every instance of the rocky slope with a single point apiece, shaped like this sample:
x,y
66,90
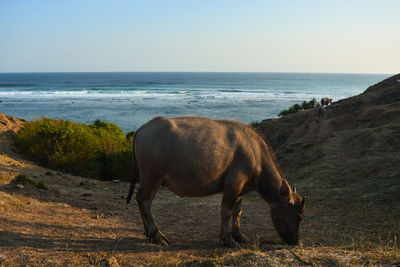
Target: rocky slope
x,y
353,151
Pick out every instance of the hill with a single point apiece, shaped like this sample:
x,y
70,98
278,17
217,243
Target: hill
x,y
353,150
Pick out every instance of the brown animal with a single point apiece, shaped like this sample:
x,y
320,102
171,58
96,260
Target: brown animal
x,y
326,101
196,157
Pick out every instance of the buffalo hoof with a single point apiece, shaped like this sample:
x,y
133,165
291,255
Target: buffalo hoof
x,y
159,238
239,237
230,243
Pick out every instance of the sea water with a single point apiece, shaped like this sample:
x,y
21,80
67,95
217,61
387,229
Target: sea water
x,y
130,99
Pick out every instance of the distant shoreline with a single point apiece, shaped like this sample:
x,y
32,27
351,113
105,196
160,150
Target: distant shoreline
x,y
250,72
132,98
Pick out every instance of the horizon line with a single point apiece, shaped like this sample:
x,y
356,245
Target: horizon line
x,y
294,72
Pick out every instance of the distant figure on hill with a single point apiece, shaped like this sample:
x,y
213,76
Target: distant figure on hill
x,y
321,111
326,101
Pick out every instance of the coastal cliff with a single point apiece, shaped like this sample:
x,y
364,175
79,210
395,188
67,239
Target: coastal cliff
x,y
353,150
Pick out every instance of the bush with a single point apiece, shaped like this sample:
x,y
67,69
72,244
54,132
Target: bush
x,y
254,124
99,150
303,106
25,180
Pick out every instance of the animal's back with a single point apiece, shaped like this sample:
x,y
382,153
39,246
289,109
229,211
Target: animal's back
x,y
191,155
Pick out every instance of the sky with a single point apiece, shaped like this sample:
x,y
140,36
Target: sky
x,y
341,36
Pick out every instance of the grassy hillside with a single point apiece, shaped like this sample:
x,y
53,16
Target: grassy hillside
x,y
347,163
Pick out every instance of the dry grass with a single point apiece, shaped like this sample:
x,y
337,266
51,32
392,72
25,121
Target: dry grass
x,y
38,228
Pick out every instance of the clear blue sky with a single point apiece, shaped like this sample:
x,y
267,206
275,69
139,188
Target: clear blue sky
x,y
209,35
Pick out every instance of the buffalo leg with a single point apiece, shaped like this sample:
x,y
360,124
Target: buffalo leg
x,y
232,189
139,199
236,213
144,198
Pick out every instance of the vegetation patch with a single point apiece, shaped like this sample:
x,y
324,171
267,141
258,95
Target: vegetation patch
x,y
303,106
99,150
255,124
26,180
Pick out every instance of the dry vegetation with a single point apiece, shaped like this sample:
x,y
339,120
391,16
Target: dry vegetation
x,y
349,174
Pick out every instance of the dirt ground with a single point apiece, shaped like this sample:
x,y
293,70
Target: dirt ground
x,y
84,222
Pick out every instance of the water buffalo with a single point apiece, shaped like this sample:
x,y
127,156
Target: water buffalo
x,y
326,101
196,157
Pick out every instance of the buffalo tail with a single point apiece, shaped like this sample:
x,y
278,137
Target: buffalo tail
x,y
135,174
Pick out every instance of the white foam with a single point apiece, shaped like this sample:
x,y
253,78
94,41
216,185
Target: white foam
x,y
205,95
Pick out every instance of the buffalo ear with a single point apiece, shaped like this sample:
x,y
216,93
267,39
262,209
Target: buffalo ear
x,y
285,189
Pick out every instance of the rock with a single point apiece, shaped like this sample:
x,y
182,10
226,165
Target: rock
x,y
115,181
20,186
87,194
48,173
82,183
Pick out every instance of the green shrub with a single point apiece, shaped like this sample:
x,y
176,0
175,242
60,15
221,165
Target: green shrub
x,y
303,106
254,124
99,150
41,185
25,180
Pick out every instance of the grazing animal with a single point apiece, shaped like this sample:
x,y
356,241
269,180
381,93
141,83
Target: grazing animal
x,y
196,157
321,111
326,101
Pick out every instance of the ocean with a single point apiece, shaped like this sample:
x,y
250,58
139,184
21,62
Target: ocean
x,y
132,98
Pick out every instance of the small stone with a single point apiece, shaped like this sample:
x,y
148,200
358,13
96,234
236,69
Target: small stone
x,y
115,181
82,183
49,173
87,194
20,186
